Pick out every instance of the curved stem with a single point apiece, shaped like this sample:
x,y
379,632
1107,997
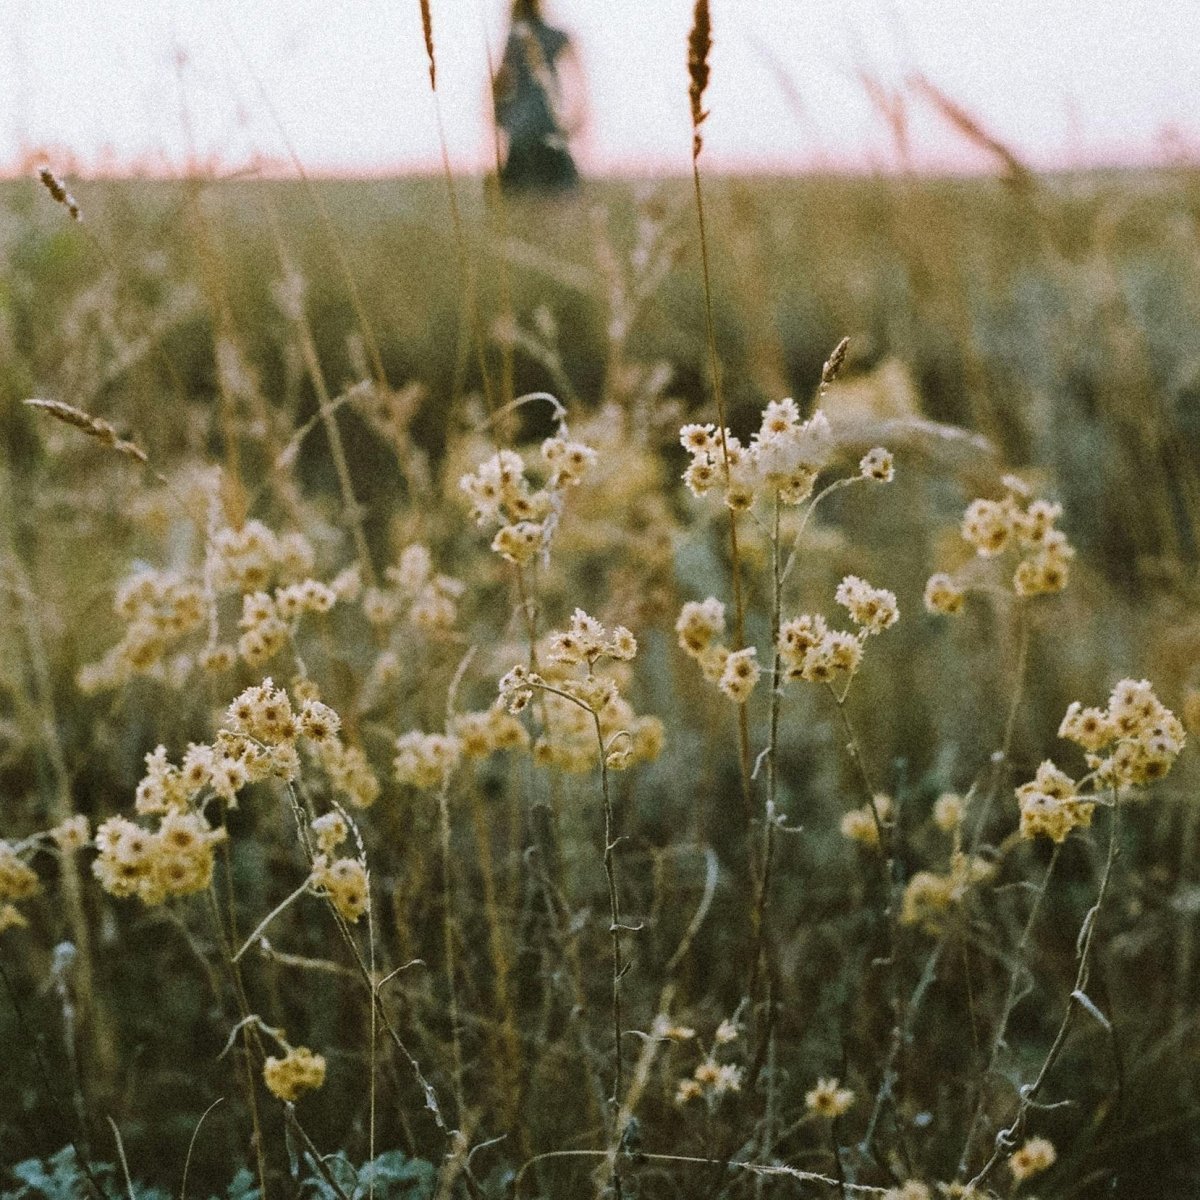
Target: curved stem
x,y
1006,1138
1010,1003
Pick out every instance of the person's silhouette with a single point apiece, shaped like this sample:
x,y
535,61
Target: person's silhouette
x,y
531,104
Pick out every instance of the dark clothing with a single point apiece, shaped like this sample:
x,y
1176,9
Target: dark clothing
x,y
527,110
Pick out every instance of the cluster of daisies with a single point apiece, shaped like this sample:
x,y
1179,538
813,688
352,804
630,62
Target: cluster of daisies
x,y
783,459
267,580
1018,525
261,739
581,671
502,495
1129,744
18,880
711,1079
808,648
425,760
425,597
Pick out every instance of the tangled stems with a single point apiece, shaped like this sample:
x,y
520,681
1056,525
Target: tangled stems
x,y
1006,1138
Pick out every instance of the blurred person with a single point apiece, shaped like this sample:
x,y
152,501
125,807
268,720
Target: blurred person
x,y
538,102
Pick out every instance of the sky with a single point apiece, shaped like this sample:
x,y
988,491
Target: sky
x,y
342,84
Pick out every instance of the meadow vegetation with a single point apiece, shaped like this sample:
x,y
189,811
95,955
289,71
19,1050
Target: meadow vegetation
x,y
464,731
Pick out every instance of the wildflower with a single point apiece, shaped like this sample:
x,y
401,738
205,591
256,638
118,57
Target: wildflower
x,y
18,880
860,825
872,609
948,811
318,722
516,688
299,1071
344,883
829,1099
1035,1156
988,525
349,772
836,653
665,1028
912,1189
424,759
878,465
1050,806
1091,728
72,833
700,623
943,596
330,831
740,674
726,1032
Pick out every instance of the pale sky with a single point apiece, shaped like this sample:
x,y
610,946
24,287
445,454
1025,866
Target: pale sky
x,y
1065,82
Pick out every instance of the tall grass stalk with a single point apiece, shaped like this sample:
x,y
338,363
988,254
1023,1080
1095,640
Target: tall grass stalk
x,y
699,47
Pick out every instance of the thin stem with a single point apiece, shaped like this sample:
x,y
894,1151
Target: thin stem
x,y
739,602
772,754
262,925
1010,1003
448,945
835,486
887,858
1000,759
245,1015
618,967
1006,1138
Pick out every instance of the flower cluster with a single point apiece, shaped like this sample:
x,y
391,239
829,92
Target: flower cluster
x,y
260,739
810,650
912,1189
501,494
297,1072
428,598
249,558
423,760
1025,526
176,859
1131,743
18,880
928,896
735,672
343,882
711,1079
575,707
783,458
158,608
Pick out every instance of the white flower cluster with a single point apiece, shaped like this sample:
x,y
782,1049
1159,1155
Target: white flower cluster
x,y
501,494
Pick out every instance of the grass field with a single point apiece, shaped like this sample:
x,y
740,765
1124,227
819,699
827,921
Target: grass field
x,y
614,943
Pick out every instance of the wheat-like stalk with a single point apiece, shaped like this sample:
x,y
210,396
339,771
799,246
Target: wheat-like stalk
x,y
94,427
59,193
427,30
699,48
